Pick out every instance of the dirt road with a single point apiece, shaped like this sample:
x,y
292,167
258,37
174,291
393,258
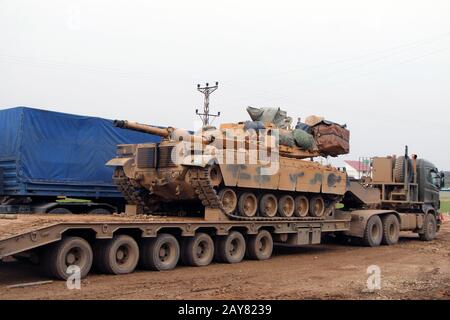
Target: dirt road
x,y
410,270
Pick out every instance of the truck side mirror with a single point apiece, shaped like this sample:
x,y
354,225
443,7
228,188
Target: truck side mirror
x,y
442,179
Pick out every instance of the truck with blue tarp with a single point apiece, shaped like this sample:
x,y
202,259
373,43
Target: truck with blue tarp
x,y
52,162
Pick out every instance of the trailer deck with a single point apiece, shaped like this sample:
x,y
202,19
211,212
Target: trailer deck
x,y
29,231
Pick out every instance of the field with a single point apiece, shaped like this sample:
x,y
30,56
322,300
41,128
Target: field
x,y
445,206
445,201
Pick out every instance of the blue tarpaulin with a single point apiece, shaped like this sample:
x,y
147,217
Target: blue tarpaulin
x,y
53,147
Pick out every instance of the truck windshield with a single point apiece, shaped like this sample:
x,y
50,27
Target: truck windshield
x,y
435,178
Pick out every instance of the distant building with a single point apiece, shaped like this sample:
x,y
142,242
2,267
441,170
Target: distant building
x,y
355,168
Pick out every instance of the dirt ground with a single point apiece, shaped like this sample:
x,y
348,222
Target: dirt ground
x,y
410,270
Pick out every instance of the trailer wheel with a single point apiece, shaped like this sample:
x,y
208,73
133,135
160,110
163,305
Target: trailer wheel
x,y
99,211
197,251
391,229
160,253
373,233
59,210
429,229
230,248
119,255
260,246
67,252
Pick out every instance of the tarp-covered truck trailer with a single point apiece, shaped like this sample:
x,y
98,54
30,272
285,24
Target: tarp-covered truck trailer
x,y
47,155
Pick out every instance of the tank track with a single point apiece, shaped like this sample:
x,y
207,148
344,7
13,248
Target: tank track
x,y
200,180
130,190
136,195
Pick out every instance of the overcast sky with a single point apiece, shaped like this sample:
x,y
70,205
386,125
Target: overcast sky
x,y
382,67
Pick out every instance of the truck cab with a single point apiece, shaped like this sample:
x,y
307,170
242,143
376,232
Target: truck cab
x,y
430,182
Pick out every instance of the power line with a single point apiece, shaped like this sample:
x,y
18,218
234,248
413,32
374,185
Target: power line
x,y
207,90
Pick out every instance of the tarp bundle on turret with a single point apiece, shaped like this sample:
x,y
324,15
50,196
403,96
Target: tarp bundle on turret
x,y
326,137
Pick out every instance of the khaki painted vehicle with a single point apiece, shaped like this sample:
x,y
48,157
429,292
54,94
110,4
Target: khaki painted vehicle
x,y
377,208
271,181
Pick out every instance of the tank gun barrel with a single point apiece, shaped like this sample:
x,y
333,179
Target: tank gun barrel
x,y
167,133
125,124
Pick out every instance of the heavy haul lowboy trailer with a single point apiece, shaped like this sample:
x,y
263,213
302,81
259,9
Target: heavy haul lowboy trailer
x,y
118,244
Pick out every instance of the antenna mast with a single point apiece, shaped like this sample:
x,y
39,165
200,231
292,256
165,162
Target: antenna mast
x,y
207,90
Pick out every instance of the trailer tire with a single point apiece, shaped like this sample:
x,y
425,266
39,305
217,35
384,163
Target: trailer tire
x,y
100,211
197,251
231,248
69,251
260,246
59,210
119,255
399,170
160,253
429,229
373,233
391,229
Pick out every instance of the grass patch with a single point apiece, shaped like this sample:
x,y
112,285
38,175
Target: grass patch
x,y
445,206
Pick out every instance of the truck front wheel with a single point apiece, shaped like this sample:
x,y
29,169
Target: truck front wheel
x,y
429,229
391,229
373,233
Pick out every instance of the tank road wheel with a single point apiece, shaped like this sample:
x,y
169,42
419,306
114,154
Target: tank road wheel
x,y
268,205
230,248
301,206
119,255
391,229
373,233
229,200
286,206
67,252
429,229
260,246
316,206
198,250
248,204
160,253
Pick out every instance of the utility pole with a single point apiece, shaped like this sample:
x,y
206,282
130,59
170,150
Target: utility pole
x,y
206,90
